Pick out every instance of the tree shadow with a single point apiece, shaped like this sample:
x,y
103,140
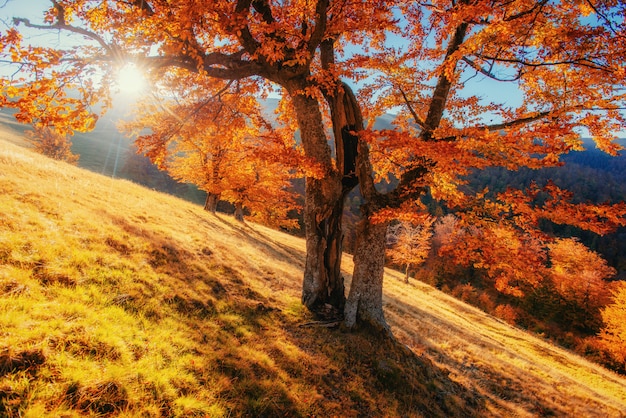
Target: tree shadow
x,y
511,372
273,366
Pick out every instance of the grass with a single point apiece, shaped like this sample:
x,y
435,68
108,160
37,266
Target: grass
x,y
119,301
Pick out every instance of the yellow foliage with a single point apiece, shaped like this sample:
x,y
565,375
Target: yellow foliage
x,y
613,335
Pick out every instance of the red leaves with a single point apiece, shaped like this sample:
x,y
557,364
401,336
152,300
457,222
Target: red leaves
x,y
557,207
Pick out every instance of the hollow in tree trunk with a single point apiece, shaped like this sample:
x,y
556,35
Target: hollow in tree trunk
x,y
322,288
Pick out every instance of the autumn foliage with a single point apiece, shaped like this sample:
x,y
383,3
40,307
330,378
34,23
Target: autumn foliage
x,y
339,65
223,145
409,244
613,335
52,144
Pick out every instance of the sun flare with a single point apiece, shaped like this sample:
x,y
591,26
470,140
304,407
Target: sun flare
x,y
131,80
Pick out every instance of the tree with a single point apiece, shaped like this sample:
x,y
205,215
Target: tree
x,y
613,334
223,145
566,59
579,277
52,144
409,243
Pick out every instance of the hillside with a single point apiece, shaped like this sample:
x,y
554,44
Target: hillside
x,y
118,300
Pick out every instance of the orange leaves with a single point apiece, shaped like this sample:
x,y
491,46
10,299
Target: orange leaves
x,y
613,334
10,39
427,66
578,273
514,261
215,138
557,207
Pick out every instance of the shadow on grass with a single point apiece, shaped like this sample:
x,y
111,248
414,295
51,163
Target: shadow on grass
x,y
503,381
267,364
264,244
275,368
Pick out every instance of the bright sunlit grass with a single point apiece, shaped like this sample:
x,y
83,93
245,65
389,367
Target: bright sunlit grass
x,y
117,300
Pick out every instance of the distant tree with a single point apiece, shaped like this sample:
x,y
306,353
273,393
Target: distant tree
x,y
223,145
579,277
52,144
265,193
409,244
613,334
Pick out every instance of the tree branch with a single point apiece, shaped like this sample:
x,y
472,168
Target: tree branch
x,y
442,89
583,62
142,5
538,5
263,8
416,118
247,40
488,73
321,19
60,25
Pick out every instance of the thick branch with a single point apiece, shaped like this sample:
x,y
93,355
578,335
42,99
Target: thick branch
x,y
321,19
247,40
442,89
62,26
263,7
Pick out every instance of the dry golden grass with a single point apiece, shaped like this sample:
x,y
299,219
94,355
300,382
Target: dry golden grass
x,y
117,300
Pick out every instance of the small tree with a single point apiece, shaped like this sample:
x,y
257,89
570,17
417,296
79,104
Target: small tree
x,y
52,144
265,195
579,279
409,244
613,335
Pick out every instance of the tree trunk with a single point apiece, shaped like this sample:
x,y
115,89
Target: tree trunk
x,y
210,204
322,288
406,274
365,301
239,211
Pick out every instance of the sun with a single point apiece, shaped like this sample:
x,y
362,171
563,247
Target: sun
x,y
131,80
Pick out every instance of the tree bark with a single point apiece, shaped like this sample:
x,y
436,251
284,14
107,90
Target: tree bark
x,y
239,211
365,301
322,288
210,204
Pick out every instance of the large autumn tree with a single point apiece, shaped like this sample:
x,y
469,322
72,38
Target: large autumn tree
x,y
422,59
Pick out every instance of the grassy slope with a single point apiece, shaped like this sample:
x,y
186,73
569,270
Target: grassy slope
x,y
115,299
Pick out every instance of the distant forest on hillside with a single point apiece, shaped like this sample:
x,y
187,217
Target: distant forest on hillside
x,y
592,175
